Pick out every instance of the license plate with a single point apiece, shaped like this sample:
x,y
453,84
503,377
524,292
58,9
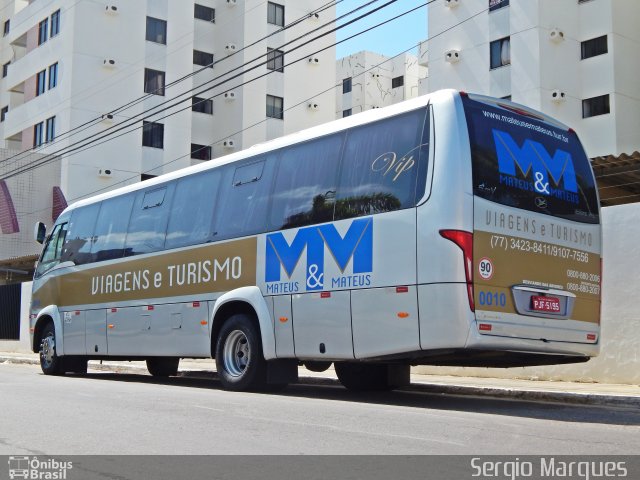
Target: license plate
x,y
545,304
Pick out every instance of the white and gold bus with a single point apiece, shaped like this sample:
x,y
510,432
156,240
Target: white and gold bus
x,y
452,229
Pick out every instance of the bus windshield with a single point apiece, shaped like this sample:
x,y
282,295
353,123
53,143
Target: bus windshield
x,y
521,160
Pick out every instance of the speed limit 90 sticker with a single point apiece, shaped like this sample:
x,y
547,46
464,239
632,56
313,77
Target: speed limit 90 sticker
x,y
485,268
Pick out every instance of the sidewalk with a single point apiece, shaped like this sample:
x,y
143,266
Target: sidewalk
x,y
532,390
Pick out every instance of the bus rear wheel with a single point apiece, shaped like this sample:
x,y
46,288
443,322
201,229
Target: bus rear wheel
x,y
239,359
50,363
163,366
372,376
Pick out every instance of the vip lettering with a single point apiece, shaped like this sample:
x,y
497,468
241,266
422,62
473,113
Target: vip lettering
x,y
389,163
120,282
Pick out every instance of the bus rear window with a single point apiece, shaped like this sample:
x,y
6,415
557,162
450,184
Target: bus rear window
x,y
524,162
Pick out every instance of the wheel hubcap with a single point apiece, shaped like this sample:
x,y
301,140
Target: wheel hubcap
x,y
236,353
48,349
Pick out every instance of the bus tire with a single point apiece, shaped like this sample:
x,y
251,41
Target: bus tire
x,y
50,363
360,377
240,362
163,366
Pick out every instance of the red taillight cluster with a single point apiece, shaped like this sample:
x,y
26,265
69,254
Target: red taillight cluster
x,y
464,240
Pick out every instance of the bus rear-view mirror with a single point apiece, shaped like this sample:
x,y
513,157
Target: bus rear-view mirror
x,y
40,232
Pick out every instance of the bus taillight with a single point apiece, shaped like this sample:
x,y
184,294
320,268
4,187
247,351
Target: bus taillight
x,y
464,240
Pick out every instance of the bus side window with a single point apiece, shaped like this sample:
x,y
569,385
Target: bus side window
x,y
381,162
111,228
305,186
53,249
148,223
244,198
192,211
77,247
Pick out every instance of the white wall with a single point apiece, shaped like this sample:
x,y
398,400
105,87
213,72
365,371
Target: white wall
x,y
619,359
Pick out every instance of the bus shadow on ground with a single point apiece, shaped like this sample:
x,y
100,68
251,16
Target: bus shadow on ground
x,y
327,389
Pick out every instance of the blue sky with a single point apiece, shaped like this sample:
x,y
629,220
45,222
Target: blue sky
x,y
389,39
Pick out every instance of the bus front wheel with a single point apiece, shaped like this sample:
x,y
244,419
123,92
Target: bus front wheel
x,y
372,376
50,363
239,359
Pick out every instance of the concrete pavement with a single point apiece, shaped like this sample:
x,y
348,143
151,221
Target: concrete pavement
x,y
531,390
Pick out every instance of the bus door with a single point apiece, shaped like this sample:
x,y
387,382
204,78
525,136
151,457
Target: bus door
x,y
536,238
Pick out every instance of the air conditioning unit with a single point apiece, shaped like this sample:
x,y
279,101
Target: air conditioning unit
x,y
451,3
230,95
313,106
229,143
112,9
558,96
452,56
109,62
230,47
313,60
556,35
232,3
105,173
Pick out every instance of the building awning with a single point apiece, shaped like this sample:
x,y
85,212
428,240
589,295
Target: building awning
x,y
17,269
618,178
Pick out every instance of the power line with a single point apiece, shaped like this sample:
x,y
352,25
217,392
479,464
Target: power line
x,y
109,135
94,121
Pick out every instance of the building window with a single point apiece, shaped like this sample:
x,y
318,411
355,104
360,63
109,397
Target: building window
x,y
6,27
500,53
202,105
43,31
37,134
156,30
152,135
275,60
275,14
594,47
3,113
346,85
496,4
200,152
5,69
592,107
55,23
204,13
153,82
203,58
397,82
53,75
346,113
41,84
51,129
275,107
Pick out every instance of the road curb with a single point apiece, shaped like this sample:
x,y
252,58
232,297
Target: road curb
x,y
576,398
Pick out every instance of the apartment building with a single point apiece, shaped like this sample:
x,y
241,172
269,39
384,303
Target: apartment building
x,y
576,60
74,71
367,80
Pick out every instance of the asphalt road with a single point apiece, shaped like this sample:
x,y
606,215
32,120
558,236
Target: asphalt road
x,y
116,414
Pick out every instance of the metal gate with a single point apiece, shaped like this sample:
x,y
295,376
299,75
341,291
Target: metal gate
x,y
10,311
